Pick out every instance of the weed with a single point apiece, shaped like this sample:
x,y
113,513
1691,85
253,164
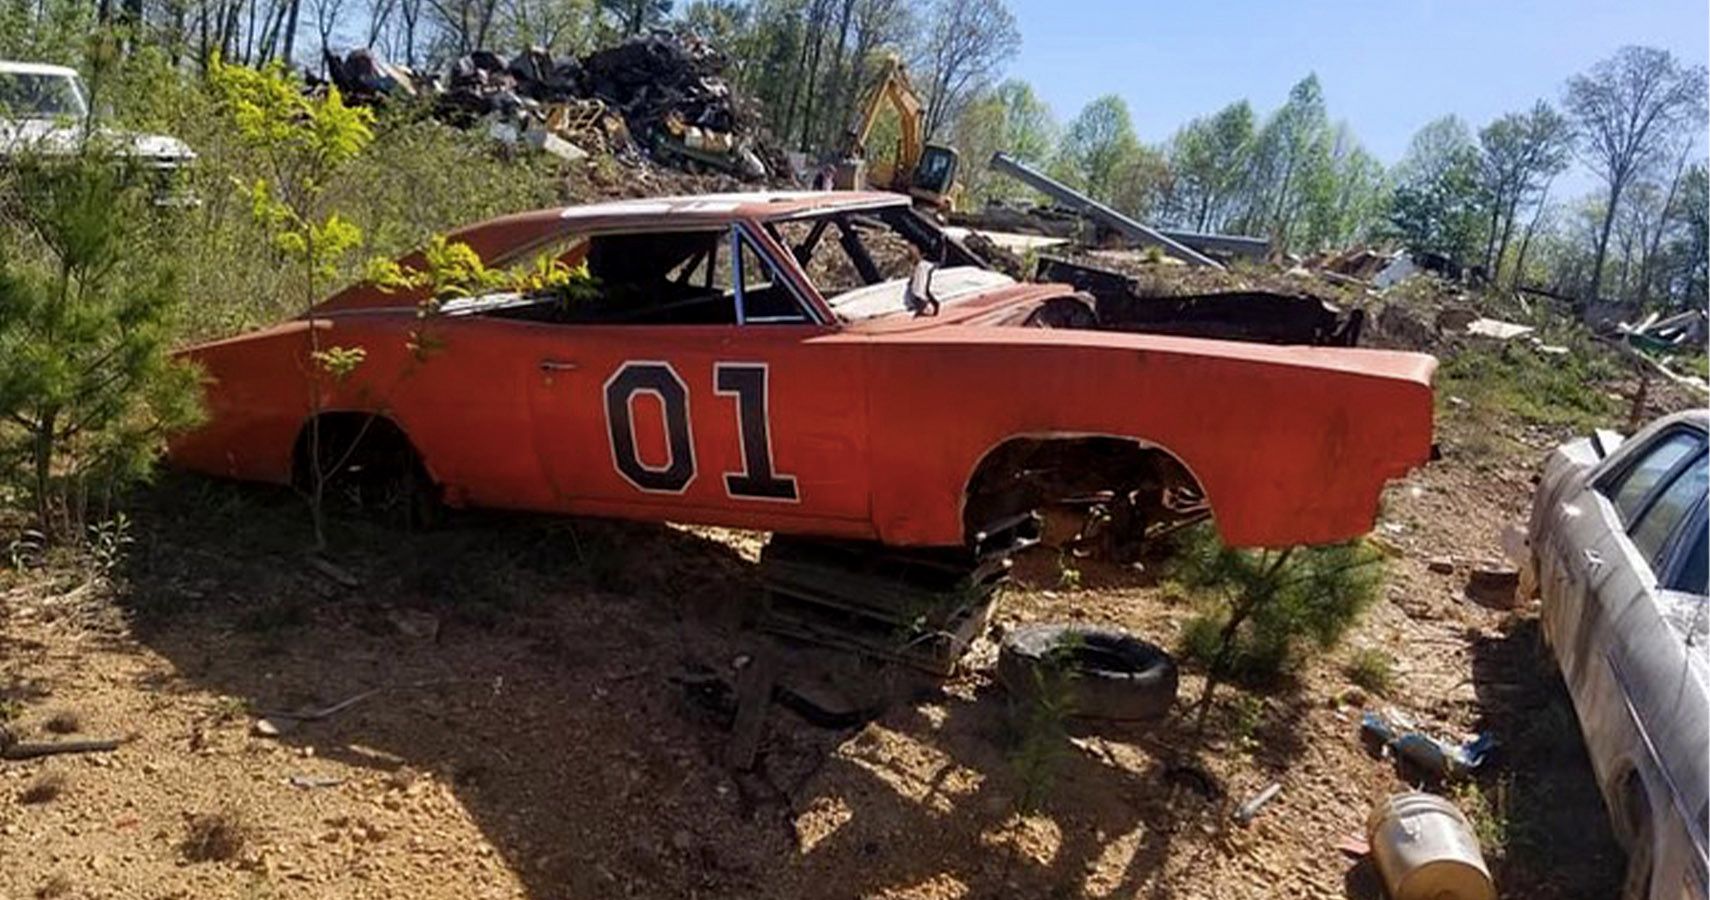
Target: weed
x,y
10,710
107,542
64,722
1040,724
1372,669
1487,808
228,708
45,788
1068,576
214,837
1248,719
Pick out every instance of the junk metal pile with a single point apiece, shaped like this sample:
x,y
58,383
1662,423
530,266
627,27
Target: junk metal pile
x,y
660,96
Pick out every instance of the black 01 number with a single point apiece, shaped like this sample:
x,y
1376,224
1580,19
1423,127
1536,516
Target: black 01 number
x,y
746,383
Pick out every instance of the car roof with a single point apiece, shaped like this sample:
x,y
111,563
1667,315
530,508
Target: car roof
x,y
724,208
29,68
500,240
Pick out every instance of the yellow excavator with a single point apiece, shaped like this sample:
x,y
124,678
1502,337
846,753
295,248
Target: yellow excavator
x,y
926,172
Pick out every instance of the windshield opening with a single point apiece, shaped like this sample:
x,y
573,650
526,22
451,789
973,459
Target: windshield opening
x,y
861,259
40,95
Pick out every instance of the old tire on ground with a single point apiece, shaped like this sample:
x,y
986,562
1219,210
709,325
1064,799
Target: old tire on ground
x,y
1102,673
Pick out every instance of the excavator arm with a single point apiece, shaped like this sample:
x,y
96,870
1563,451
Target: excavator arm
x,y
894,89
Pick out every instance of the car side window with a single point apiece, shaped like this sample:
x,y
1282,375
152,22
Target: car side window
x,y
1667,514
1633,488
764,294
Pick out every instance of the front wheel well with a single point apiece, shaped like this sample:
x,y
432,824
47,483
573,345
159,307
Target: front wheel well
x,y
1025,474
363,457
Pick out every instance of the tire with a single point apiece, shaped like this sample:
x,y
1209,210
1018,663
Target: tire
x,y
1095,673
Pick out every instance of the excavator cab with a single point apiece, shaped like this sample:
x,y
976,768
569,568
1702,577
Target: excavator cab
x,y
935,174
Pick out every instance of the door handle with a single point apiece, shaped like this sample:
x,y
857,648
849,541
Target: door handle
x,y
557,365
1593,559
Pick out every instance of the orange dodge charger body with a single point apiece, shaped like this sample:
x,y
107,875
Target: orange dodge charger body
x,y
764,361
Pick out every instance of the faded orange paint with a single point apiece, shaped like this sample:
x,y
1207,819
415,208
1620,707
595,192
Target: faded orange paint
x,y
880,423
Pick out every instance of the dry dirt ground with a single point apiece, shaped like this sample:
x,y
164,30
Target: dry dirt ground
x,y
524,728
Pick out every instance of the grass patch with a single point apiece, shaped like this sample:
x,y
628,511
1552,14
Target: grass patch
x,y
1566,390
1371,669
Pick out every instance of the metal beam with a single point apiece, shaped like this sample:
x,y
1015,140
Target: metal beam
x,y
1221,244
1087,206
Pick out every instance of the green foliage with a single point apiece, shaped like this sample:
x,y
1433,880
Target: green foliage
x,y
1264,611
1488,809
1011,118
1098,147
1039,724
1372,669
304,141
1439,204
1514,380
88,311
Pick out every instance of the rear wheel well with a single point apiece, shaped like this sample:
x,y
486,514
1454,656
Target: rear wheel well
x,y
1030,473
364,460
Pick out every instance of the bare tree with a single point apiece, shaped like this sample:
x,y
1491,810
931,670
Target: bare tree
x,y
327,14
962,46
1626,109
1658,225
465,22
379,13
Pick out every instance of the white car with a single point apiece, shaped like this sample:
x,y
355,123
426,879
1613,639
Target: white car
x,y
1618,549
45,109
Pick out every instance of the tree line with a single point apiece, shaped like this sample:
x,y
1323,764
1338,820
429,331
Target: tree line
x,y
1483,198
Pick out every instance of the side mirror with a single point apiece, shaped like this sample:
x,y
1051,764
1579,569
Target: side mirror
x,y
917,296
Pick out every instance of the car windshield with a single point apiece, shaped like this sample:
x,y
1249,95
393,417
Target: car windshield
x,y
41,95
860,260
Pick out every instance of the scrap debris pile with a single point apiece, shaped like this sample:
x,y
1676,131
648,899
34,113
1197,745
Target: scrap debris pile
x,y
660,96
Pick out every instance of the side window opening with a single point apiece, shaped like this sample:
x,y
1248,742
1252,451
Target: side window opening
x,y
765,297
1633,488
649,278
1668,513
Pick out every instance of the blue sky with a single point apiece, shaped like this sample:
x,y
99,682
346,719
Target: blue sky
x,y
1386,67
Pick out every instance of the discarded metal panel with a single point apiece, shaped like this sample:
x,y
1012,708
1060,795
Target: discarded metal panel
x,y
1498,329
1257,316
1087,206
919,608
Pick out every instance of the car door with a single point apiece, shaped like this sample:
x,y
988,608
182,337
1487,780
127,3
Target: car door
x,y
1585,544
725,418
1628,658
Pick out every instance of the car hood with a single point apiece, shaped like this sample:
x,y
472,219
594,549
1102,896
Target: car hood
x,y
950,286
56,137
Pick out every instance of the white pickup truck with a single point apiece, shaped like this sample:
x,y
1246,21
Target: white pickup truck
x,y
45,109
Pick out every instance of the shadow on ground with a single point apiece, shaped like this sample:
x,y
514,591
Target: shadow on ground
x,y
535,666
1540,800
